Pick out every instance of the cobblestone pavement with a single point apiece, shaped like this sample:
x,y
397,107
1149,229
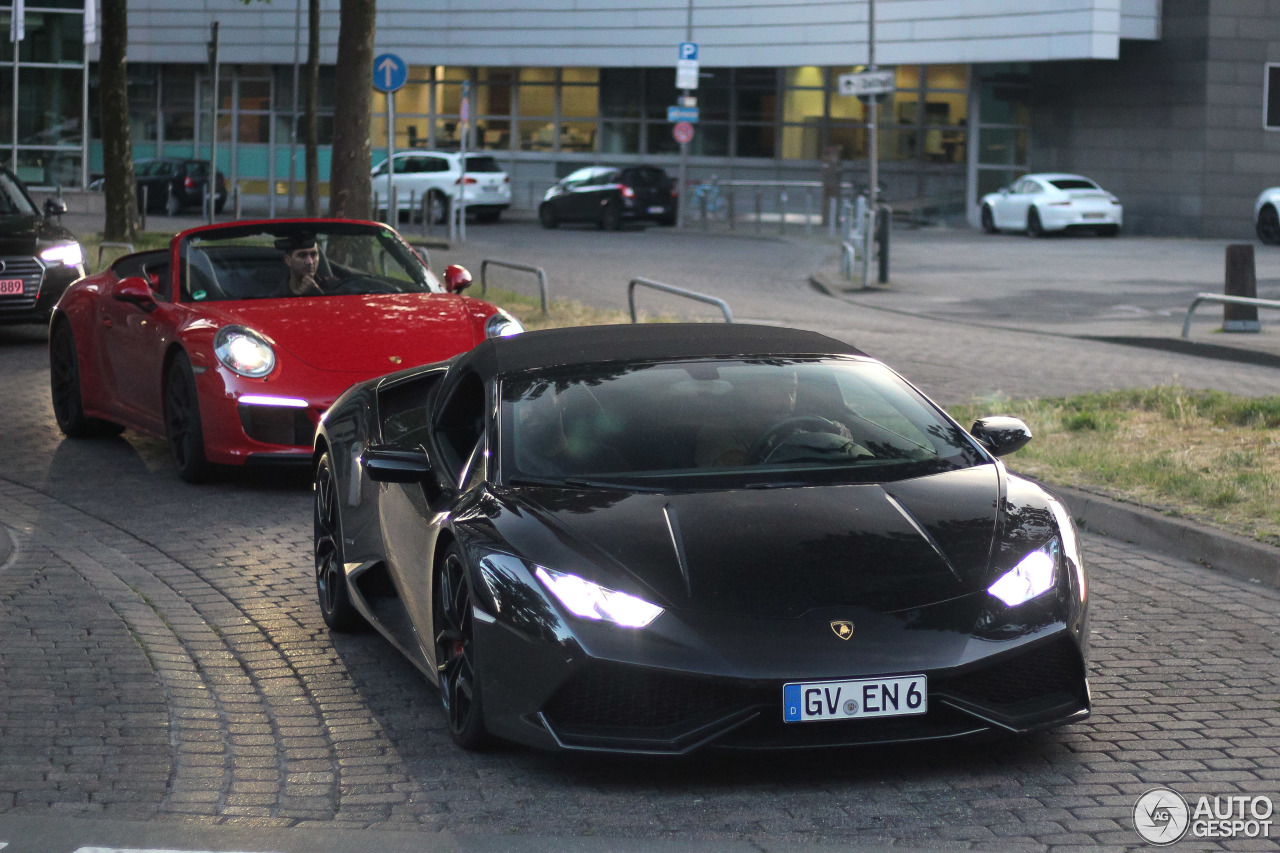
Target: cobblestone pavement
x,y
162,659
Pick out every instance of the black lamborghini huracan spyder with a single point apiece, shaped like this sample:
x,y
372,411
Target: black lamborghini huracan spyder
x,y
658,538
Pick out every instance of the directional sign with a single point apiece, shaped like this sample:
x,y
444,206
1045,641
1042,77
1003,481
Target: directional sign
x,y
867,82
675,114
682,132
689,50
389,72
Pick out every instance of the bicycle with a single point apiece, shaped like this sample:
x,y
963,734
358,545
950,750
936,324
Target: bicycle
x,y
711,202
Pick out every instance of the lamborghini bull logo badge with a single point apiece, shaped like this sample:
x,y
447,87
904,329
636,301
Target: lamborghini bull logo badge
x,y
843,628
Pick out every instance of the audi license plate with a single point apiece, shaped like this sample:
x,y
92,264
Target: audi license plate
x,y
11,287
810,701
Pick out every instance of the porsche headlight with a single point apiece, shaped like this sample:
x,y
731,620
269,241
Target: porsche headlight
x,y
244,351
592,601
502,325
1033,576
67,254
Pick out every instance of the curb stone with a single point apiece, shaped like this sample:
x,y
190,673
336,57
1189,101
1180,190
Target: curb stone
x,y
6,546
1173,537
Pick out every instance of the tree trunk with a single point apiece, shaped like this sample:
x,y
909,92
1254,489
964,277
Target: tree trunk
x,y
311,90
118,188
350,187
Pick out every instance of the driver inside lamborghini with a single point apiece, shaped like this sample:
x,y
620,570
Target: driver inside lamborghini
x,y
761,414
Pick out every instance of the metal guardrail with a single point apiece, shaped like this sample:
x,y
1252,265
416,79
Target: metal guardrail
x,y
678,291
110,244
538,271
1227,300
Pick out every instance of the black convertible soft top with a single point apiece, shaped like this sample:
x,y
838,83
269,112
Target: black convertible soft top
x,y
642,342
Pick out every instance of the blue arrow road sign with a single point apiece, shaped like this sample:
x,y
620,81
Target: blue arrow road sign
x,y
688,50
675,114
389,72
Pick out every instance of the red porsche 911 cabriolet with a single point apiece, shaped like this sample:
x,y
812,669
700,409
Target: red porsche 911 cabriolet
x,y
234,340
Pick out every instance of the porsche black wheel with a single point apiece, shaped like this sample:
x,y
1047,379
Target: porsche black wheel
x,y
182,421
64,386
988,220
610,218
331,578
547,216
1268,227
1034,227
455,652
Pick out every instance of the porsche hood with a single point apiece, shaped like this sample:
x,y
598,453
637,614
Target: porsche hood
x,y
777,553
359,334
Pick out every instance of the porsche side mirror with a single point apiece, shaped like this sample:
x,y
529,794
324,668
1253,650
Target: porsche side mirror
x,y
456,278
54,207
1001,435
387,465
135,291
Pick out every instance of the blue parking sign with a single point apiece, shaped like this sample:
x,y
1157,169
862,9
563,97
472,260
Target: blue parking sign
x,y
689,50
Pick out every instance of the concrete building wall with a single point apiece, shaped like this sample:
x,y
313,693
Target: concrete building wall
x,y
1174,127
621,33
1136,125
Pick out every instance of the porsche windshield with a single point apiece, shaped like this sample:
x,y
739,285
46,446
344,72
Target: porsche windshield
x,y
770,421
300,260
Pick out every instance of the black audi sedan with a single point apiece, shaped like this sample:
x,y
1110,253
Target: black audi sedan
x,y
38,257
659,538
609,196
174,184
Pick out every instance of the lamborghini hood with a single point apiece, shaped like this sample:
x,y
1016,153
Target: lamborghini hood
x,y
777,553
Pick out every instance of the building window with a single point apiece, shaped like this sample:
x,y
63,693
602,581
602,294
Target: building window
x,y
1271,97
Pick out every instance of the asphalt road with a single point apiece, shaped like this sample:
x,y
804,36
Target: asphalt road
x,y
162,661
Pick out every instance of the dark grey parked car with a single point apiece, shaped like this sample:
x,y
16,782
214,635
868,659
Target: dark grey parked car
x,y
609,196
38,257
174,183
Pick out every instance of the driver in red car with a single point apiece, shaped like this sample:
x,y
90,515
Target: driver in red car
x,y
302,258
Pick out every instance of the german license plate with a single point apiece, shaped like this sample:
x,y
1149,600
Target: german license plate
x,y
1094,215
656,208
11,287
813,701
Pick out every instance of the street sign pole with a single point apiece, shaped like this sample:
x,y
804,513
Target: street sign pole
x,y
211,182
684,146
873,148
392,215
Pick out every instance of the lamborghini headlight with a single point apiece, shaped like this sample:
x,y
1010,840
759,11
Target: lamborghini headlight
x,y
67,254
592,601
1032,577
502,325
244,351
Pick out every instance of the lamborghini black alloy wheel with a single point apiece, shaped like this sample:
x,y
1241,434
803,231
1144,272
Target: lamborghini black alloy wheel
x,y
455,652
331,580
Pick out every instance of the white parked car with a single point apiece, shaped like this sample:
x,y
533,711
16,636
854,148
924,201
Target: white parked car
x,y
1041,203
437,176
1265,217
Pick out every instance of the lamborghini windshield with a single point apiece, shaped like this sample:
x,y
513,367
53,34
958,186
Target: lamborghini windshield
x,y
290,260
780,420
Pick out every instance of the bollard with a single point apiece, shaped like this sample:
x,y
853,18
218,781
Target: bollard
x,y
759,208
413,197
808,212
142,216
782,212
731,209
235,206
702,205
883,222
1241,280
833,223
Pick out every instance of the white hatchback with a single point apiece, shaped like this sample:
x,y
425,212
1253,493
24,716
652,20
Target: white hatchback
x,y
1041,203
437,177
